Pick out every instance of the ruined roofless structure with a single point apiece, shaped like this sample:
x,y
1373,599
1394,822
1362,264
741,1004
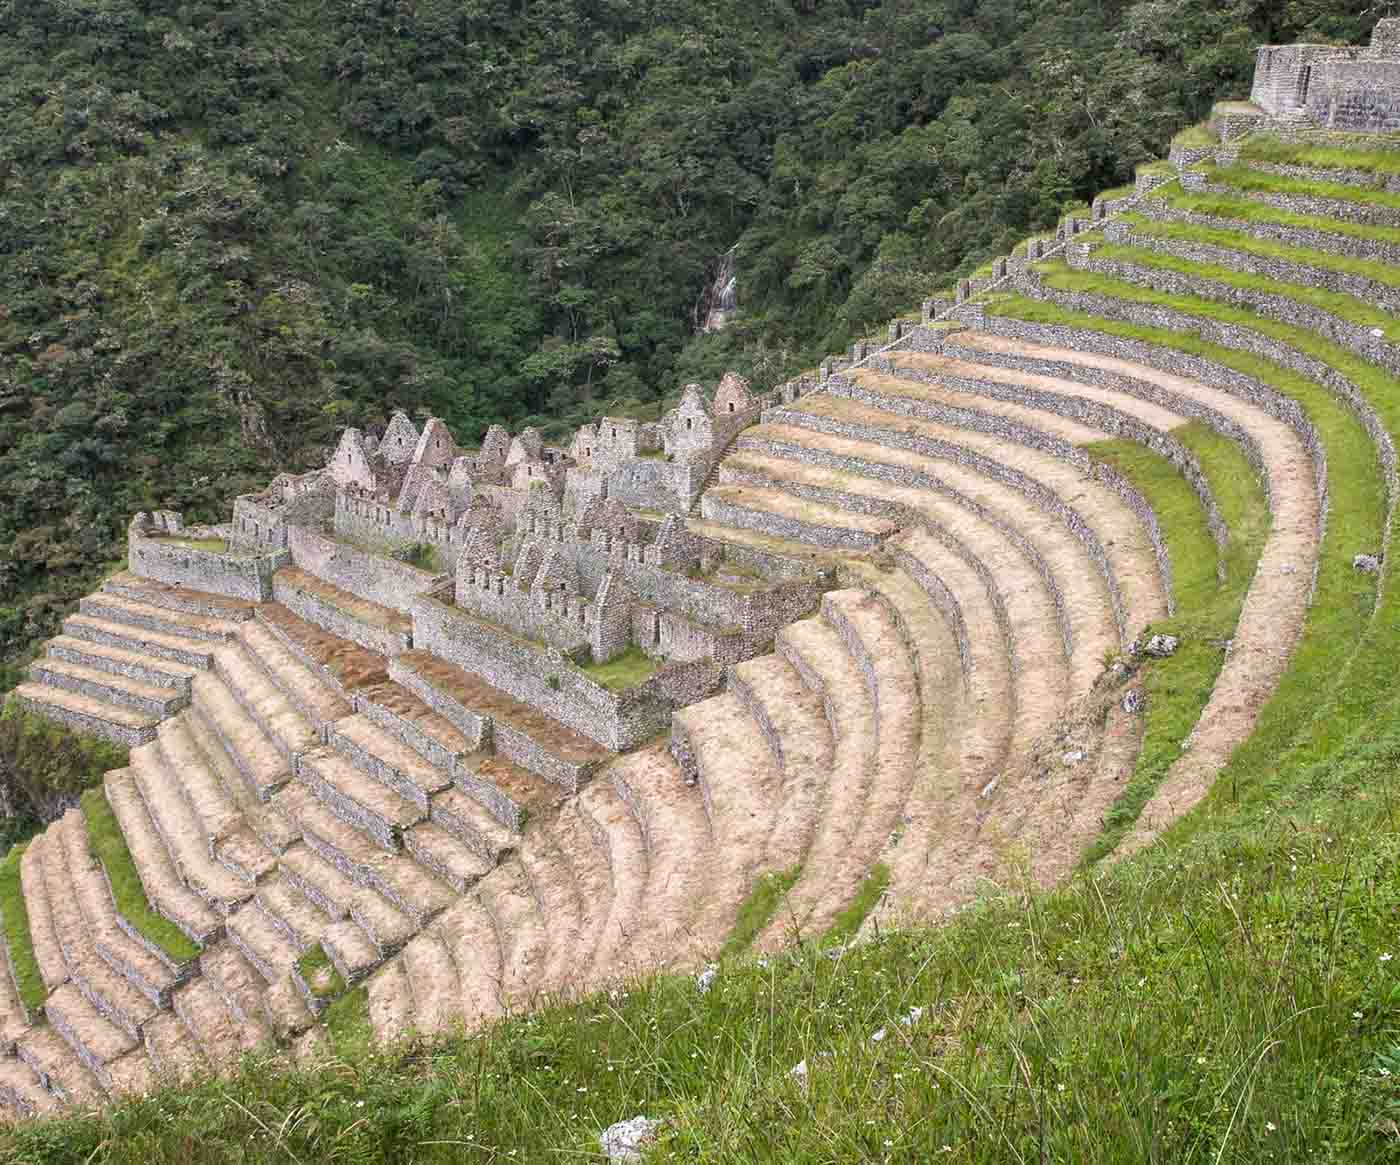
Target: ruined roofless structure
x,y
474,727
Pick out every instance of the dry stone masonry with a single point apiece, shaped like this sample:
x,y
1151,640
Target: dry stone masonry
x,y
472,726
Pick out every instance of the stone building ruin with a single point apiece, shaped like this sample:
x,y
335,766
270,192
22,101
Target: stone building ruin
x,y
1342,87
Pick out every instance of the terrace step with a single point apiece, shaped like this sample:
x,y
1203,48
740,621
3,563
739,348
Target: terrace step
x,y
261,763
43,936
432,981
195,653
469,933
584,843
377,628
175,1056
628,872
358,799
794,724
309,693
388,760
397,711
466,819
212,1026
161,620
406,886
390,1003
554,885
116,998
485,715
351,951
148,968
21,1090
159,878
778,514
95,1040
87,714
446,856
342,664
243,992
147,669
14,1017
150,699
263,942
177,598
185,839
341,898
293,913
521,932
256,693
57,1066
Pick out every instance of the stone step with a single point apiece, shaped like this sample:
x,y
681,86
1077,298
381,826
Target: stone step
x,y
165,890
195,653
821,557
263,767
782,515
149,617
507,791
173,1051
183,833
211,1026
262,942
793,719
469,934
264,702
87,714
488,717
43,937
401,714
738,778
243,991
628,867
94,1039
118,661
390,761
433,983
117,999
466,819
14,1017
788,712
177,598
446,856
299,919
146,966
150,699
351,951
558,899
372,626
407,886
521,932
358,799
221,818
341,664
342,899
310,694
390,1003
268,827
57,1066
584,843
21,1090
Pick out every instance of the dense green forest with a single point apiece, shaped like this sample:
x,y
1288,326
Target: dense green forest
x,y
230,227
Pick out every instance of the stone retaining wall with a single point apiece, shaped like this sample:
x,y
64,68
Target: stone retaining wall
x,y
238,576
385,581
1367,213
780,526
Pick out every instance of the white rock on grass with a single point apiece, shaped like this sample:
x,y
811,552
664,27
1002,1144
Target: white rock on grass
x,y
624,1140
706,978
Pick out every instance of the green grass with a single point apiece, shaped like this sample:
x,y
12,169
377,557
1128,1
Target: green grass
x,y
216,545
623,671
1195,136
15,918
757,910
1385,273
1337,681
109,847
1265,148
347,1022
1259,181
319,974
848,923
1209,585
1346,307
1245,210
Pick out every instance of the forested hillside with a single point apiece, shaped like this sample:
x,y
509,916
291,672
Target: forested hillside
x,y
228,229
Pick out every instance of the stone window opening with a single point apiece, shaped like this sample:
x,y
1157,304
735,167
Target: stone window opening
x,y
690,422
614,432
731,406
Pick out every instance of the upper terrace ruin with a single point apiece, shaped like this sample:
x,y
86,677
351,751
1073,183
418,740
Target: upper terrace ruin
x,y
1342,87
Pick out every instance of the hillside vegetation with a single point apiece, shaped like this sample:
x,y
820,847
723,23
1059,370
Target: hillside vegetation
x,y
230,230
